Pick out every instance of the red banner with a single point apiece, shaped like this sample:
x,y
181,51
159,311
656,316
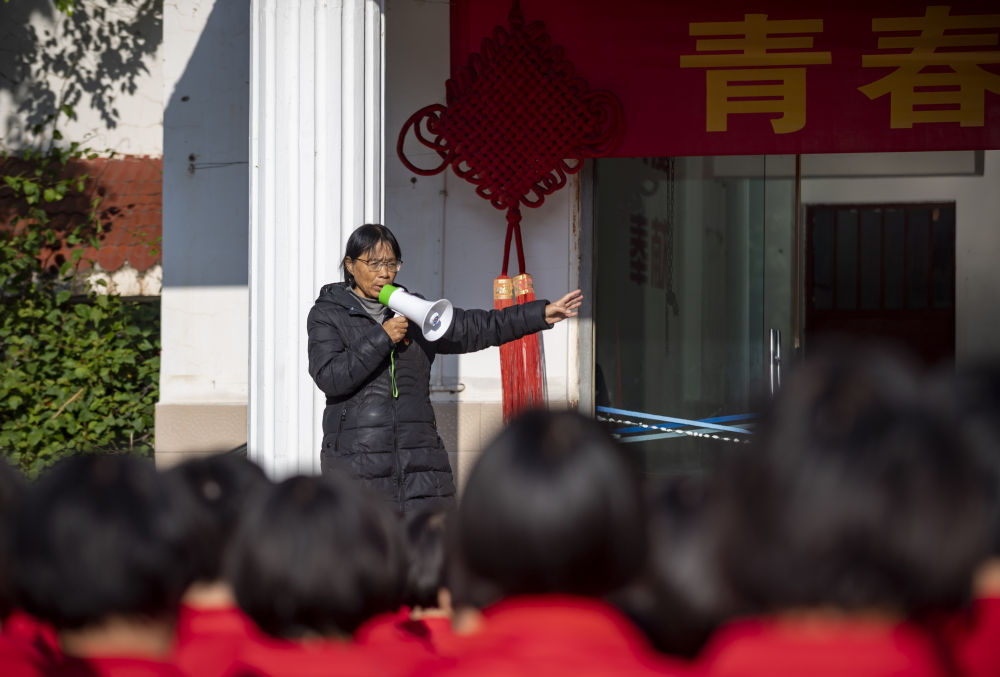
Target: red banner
x,y
730,77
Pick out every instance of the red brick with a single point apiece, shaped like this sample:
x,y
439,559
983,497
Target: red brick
x,y
130,209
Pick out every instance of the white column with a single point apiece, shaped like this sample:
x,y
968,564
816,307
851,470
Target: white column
x,y
316,111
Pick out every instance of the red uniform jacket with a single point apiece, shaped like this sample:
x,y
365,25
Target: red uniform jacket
x,y
36,638
314,658
398,632
975,644
112,666
16,660
770,648
443,638
209,640
551,636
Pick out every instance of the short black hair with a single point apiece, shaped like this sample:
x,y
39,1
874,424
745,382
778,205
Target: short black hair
x,y
98,535
12,488
317,555
974,392
680,599
426,539
220,487
363,240
857,493
553,505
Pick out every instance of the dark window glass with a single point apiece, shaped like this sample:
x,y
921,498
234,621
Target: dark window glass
x,y
871,259
943,257
822,263
893,255
847,259
917,256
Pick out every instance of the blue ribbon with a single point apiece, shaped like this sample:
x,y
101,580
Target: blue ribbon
x,y
712,423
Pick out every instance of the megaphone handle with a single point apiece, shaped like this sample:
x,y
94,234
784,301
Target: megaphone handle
x,y
397,314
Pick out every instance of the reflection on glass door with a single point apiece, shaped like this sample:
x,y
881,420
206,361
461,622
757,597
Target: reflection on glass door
x,y
692,271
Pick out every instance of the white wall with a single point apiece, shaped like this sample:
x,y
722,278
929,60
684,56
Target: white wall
x,y
977,246
452,239
205,202
137,128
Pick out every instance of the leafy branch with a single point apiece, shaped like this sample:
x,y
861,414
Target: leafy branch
x,y
79,368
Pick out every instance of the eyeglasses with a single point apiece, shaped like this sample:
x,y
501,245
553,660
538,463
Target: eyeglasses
x,y
391,266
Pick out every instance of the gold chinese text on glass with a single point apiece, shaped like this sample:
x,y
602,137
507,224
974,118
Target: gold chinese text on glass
x,y
940,78
756,79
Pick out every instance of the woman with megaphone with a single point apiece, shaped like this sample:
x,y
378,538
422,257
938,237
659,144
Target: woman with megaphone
x,y
373,364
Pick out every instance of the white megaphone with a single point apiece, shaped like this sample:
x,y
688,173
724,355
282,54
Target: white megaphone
x,y
434,317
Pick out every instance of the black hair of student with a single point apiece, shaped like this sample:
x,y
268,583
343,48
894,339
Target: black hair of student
x,y
317,556
974,392
425,532
220,487
554,504
12,490
857,493
363,240
99,535
681,598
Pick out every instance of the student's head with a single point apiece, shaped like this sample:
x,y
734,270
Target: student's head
x,y
974,392
426,546
371,259
220,487
99,537
553,505
12,489
857,495
315,557
680,599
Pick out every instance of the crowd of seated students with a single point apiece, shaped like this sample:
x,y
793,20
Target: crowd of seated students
x,y
857,534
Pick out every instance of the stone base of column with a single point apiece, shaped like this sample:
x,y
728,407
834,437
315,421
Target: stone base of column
x,y
190,430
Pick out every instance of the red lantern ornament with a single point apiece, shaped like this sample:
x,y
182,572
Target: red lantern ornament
x,y
517,122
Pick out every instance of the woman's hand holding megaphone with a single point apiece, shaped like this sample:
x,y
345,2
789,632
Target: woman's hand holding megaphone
x,y
395,327
567,306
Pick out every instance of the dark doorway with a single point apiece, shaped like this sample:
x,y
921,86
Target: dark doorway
x,y
883,271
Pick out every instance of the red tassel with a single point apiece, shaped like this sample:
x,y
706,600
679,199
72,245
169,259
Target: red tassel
x,y
520,361
530,387
511,354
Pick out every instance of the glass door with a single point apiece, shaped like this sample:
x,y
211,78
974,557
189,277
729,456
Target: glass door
x,y
692,272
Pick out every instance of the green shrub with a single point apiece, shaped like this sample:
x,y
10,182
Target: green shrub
x,y
79,371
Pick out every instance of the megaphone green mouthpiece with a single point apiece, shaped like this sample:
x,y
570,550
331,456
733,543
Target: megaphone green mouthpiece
x,y
387,290
432,317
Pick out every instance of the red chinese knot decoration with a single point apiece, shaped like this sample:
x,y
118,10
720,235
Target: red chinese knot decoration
x,y
517,122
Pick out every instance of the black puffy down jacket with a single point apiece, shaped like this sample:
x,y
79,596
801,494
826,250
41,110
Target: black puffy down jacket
x,y
392,443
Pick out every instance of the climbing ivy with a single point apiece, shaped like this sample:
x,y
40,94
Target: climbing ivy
x,y
79,367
